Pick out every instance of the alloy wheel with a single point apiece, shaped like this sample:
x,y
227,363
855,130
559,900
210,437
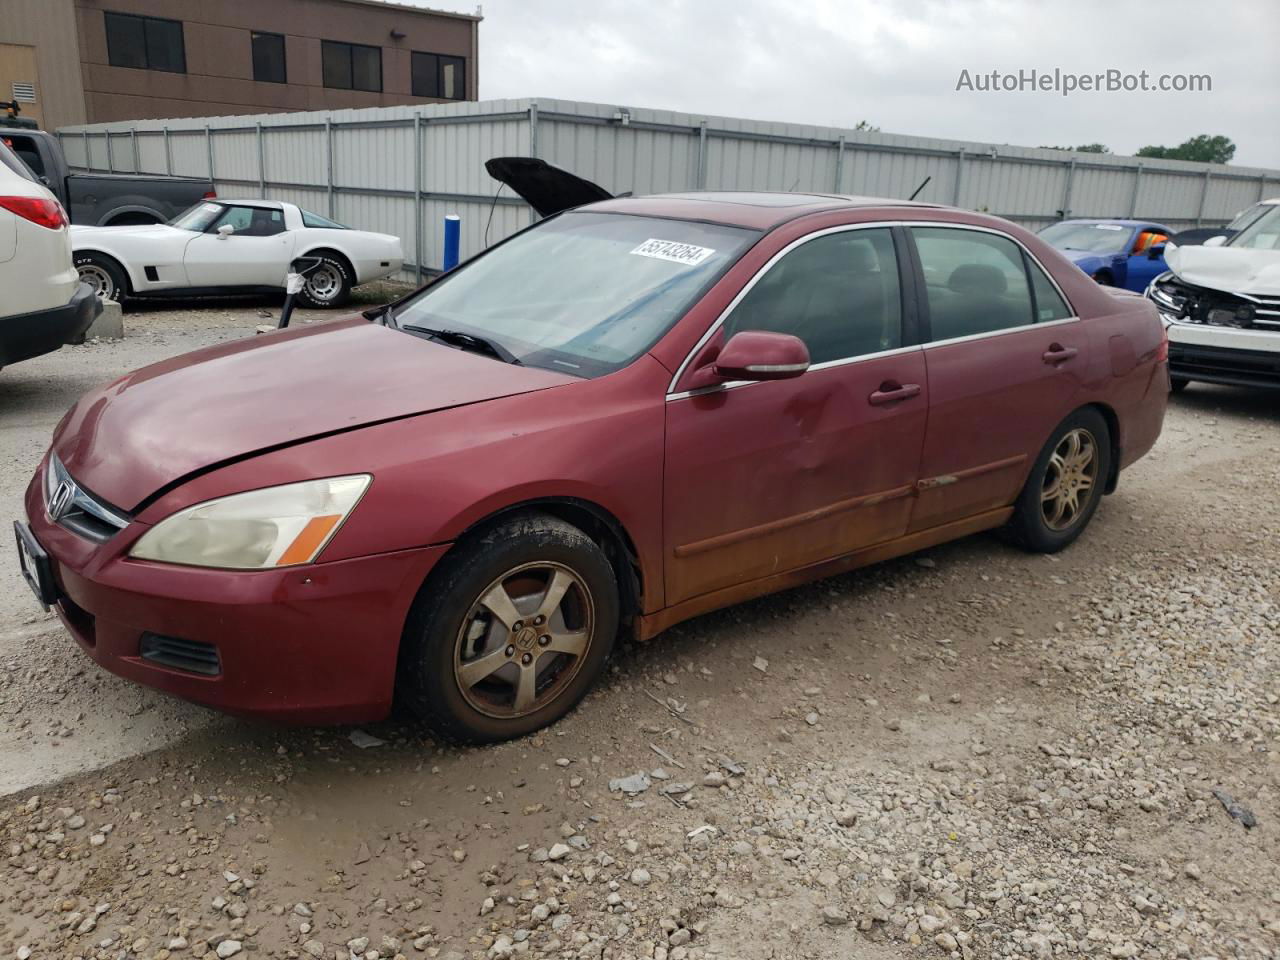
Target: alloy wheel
x,y
524,639
97,278
1069,479
324,283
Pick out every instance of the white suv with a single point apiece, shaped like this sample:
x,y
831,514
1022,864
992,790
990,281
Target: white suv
x,y
43,304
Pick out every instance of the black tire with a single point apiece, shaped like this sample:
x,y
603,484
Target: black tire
x,y
329,285
1103,279
103,274
1178,384
448,609
1029,527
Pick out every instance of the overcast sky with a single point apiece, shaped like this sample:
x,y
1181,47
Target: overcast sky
x,y
896,64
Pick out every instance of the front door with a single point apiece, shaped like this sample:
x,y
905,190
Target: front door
x,y
1141,268
255,253
1006,361
762,478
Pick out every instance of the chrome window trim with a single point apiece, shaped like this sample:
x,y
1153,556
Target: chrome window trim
x,y
842,228
825,365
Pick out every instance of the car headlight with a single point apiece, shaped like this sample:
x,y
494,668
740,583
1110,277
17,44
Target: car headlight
x,y
273,527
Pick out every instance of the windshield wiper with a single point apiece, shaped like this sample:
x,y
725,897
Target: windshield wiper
x,y
466,341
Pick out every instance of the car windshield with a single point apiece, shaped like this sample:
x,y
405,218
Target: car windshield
x,y
1248,215
1263,233
584,293
1090,237
197,218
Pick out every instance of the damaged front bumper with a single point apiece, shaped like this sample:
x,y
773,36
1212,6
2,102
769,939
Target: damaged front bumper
x,y
1217,336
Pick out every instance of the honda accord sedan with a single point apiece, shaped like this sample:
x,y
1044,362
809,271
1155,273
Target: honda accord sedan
x,y
633,412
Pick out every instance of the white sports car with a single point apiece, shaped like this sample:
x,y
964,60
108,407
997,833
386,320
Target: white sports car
x,y
232,246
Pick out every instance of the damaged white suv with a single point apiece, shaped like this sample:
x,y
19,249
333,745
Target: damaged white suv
x,y
1221,304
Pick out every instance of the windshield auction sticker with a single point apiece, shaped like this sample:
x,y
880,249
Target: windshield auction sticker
x,y
685,253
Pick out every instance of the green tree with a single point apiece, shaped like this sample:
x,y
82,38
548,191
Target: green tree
x,y
1201,149
863,125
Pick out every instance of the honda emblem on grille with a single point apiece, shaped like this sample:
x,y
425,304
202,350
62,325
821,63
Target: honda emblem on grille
x,y
61,499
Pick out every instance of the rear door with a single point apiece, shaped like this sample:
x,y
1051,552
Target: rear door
x,y
763,478
256,253
1006,361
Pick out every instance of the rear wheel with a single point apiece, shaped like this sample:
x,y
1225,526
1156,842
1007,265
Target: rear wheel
x,y
1065,484
328,285
1103,279
102,274
510,632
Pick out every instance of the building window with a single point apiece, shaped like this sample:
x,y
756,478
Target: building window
x,y
439,76
145,43
351,66
268,58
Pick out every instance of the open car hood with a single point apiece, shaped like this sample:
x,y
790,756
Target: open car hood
x,y
546,188
184,416
1229,269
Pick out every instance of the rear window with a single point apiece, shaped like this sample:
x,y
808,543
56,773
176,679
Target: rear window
x,y
11,161
310,219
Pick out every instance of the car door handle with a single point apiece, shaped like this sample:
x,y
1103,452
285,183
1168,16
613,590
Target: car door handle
x,y
1057,353
892,392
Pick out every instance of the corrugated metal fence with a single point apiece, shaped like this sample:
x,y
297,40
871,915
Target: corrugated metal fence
x,y
401,169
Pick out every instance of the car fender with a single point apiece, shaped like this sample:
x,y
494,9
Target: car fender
x,y
121,209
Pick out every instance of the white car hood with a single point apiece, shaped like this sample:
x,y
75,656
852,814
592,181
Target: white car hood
x,y
154,231
1230,269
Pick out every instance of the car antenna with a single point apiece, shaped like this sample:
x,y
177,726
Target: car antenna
x,y
919,188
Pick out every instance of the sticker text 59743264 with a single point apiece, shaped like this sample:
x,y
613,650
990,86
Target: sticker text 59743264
x,y
676,252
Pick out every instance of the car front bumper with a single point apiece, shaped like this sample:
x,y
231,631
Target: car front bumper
x,y
1227,355
28,335
314,644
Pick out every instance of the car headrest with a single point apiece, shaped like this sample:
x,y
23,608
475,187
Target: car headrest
x,y
978,278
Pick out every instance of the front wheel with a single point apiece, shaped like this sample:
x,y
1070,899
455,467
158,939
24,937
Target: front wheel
x,y
1065,484
510,632
1178,384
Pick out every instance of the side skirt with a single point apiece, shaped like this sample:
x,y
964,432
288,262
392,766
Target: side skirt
x,y
652,624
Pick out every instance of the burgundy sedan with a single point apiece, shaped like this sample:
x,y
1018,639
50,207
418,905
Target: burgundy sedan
x,y
629,414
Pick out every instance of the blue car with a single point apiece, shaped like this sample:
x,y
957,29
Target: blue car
x,y
1116,253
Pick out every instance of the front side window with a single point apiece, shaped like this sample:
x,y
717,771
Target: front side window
x,y
582,293
839,293
145,43
440,76
28,153
251,221
351,66
975,282
268,57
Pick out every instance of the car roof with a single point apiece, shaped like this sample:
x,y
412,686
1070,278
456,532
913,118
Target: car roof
x,y
236,201
1118,221
757,210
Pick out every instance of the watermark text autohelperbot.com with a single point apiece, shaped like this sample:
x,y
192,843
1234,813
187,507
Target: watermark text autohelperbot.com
x,y
1065,83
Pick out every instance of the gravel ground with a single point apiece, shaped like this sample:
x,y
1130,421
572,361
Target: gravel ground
x,y
972,753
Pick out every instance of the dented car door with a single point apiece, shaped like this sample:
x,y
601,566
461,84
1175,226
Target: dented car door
x,y
766,477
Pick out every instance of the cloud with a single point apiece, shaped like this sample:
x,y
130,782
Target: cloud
x,y
896,64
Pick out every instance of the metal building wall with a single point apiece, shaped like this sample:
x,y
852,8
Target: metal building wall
x,y
401,169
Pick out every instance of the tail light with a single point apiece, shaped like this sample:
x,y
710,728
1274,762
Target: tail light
x,y
1162,352
210,195
39,210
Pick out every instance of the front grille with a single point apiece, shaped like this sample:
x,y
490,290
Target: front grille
x,y
1188,303
71,506
189,655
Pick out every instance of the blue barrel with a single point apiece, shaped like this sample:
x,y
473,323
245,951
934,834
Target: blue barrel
x,y
452,236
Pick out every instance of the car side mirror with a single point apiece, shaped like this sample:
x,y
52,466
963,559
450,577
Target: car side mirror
x,y
757,355
225,231
1156,252
1215,241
